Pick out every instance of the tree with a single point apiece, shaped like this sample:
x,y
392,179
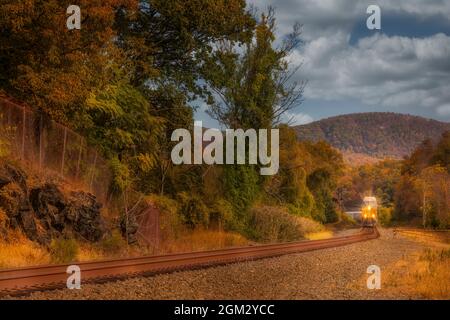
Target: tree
x,y
50,67
378,179
407,199
169,39
289,187
119,121
170,104
252,85
441,154
434,185
423,189
419,159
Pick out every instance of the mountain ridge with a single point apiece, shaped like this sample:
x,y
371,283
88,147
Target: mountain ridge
x,y
375,134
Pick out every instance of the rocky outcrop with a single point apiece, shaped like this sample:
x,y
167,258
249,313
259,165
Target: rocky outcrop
x,y
45,212
83,213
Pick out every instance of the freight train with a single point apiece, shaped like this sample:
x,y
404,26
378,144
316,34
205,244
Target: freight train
x,y
369,212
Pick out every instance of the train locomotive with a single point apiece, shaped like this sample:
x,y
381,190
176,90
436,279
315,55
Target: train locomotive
x,y
369,214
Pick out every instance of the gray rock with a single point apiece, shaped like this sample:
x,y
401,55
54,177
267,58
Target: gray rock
x,y
29,225
83,213
47,207
47,198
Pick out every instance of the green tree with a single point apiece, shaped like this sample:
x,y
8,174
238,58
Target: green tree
x,y
119,121
173,37
252,84
289,186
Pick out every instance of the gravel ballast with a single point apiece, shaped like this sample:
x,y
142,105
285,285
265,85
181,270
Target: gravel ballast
x,y
337,273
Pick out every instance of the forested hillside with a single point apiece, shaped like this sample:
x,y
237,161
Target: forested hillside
x,y
124,83
374,134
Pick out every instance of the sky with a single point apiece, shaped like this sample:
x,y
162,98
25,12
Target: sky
x,y
403,68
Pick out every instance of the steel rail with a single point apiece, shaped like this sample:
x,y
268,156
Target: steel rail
x,y
26,280
426,233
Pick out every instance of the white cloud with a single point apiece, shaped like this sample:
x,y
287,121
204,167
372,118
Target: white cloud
x,y
326,17
389,71
296,119
444,110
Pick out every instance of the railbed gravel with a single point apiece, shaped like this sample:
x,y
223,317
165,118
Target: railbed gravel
x,y
337,273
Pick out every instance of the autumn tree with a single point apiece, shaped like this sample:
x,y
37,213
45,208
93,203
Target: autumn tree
x,y
289,187
434,187
50,67
441,155
423,190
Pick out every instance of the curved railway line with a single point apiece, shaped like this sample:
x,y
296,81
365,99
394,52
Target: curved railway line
x,y
22,281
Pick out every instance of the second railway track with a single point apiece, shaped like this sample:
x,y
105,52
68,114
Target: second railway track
x,y
26,280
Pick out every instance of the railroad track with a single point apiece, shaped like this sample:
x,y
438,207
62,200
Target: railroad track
x,y
426,233
16,282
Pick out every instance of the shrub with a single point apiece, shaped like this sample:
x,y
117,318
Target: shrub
x,y
223,213
385,216
114,243
275,224
308,226
242,187
346,219
63,250
193,210
121,176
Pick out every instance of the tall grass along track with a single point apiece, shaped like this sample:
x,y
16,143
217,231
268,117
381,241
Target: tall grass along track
x,y
23,281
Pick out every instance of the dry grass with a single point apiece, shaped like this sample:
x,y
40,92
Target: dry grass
x,y
319,235
16,250
201,240
308,226
426,276
20,252
88,252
